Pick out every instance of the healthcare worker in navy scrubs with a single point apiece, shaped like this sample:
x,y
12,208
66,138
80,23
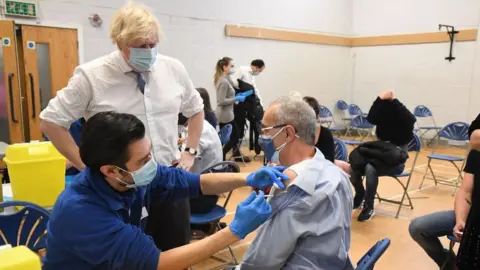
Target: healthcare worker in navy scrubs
x,y
97,222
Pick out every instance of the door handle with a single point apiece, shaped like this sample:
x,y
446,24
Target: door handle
x,y
10,89
32,89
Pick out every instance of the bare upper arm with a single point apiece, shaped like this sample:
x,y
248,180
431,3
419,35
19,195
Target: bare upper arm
x,y
475,139
467,183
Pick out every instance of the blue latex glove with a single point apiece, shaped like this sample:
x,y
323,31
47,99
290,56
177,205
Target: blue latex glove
x,y
248,93
266,177
250,214
240,98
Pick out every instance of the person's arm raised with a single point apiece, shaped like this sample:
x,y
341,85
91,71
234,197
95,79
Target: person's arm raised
x,y
67,106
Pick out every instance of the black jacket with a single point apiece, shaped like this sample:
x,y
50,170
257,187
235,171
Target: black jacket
x,y
474,126
384,156
393,120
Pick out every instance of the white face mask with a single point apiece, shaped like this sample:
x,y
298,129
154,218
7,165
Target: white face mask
x,y
255,73
232,71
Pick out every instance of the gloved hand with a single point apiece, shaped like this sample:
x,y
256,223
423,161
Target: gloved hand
x,y
250,214
240,97
266,177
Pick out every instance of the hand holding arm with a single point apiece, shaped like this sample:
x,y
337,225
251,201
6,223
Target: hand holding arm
x,y
195,126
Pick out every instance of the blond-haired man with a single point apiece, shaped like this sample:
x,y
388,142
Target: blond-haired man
x,y
134,79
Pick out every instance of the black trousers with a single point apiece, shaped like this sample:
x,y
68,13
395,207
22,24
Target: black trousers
x,y
234,139
169,223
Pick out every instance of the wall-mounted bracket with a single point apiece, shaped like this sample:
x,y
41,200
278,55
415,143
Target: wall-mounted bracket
x,y
451,33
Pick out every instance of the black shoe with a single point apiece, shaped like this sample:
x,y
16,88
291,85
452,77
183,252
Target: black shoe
x,y
238,157
366,214
358,201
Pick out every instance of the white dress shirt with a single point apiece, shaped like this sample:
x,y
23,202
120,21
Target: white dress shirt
x,y
108,84
244,73
210,150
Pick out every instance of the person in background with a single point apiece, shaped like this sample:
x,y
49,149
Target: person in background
x,y
395,125
426,230
209,154
323,135
248,74
310,224
226,99
98,221
134,79
207,107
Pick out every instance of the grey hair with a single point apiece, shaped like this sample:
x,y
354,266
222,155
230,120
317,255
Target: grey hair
x,y
296,112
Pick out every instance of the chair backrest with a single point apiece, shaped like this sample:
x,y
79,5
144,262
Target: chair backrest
x,y
354,110
27,227
360,121
415,145
225,133
224,167
341,105
422,111
341,152
325,112
456,131
368,260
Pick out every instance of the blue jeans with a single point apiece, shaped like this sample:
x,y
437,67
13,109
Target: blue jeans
x,y
427,229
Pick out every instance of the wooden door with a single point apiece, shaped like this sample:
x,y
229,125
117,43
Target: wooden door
x,y
10,100
50,56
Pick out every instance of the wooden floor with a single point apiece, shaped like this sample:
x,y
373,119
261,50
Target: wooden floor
x,y
403,253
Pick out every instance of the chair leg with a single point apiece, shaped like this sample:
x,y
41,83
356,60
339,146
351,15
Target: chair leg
x,y
405,193
459,178
433,174
425,174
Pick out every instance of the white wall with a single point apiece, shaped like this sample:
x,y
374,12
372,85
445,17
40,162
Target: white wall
x,y
418,73
194,33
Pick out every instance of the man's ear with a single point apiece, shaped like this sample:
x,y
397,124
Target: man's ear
x,y
110,171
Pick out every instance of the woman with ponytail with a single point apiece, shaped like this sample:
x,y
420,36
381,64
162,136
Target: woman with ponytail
x,y
226,98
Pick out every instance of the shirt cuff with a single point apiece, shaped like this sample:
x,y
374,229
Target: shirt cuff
x,y
152,262
194,184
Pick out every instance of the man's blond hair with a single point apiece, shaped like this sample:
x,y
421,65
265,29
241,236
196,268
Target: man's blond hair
x,y
132,22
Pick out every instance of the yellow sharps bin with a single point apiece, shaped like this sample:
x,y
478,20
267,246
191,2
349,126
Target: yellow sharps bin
x,y
19,258
37,172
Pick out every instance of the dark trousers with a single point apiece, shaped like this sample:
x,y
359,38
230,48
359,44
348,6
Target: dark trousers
x,y
234,138
371,175
169,223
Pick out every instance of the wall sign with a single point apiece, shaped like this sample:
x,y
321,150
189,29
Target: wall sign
x,y
31,45
6,42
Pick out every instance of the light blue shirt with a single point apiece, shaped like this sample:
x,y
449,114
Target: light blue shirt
x,y
310,224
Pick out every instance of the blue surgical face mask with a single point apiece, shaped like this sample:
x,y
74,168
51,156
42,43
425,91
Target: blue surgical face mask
x,y
272,153
142,176
142,59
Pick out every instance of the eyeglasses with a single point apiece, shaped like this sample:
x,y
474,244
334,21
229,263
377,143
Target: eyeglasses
x,y
272,127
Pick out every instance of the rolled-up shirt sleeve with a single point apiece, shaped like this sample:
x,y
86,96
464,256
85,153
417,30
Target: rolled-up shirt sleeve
x,y
171,184
71,102
191,103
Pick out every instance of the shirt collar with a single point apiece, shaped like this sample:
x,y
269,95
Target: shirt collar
x,y
115,200
121,62
305,182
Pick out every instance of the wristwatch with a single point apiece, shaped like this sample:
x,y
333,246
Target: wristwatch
x,y
190,150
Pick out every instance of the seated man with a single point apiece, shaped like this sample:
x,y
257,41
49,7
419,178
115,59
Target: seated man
x,y
98,221
427,229
209,153
310,224
394,131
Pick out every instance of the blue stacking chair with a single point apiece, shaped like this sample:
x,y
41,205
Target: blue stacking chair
x,y
326,117
414,146
341,152
453,240
360,122
26,227
343,106
421,111
225,133
367,262
458,132
353,111
218,212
